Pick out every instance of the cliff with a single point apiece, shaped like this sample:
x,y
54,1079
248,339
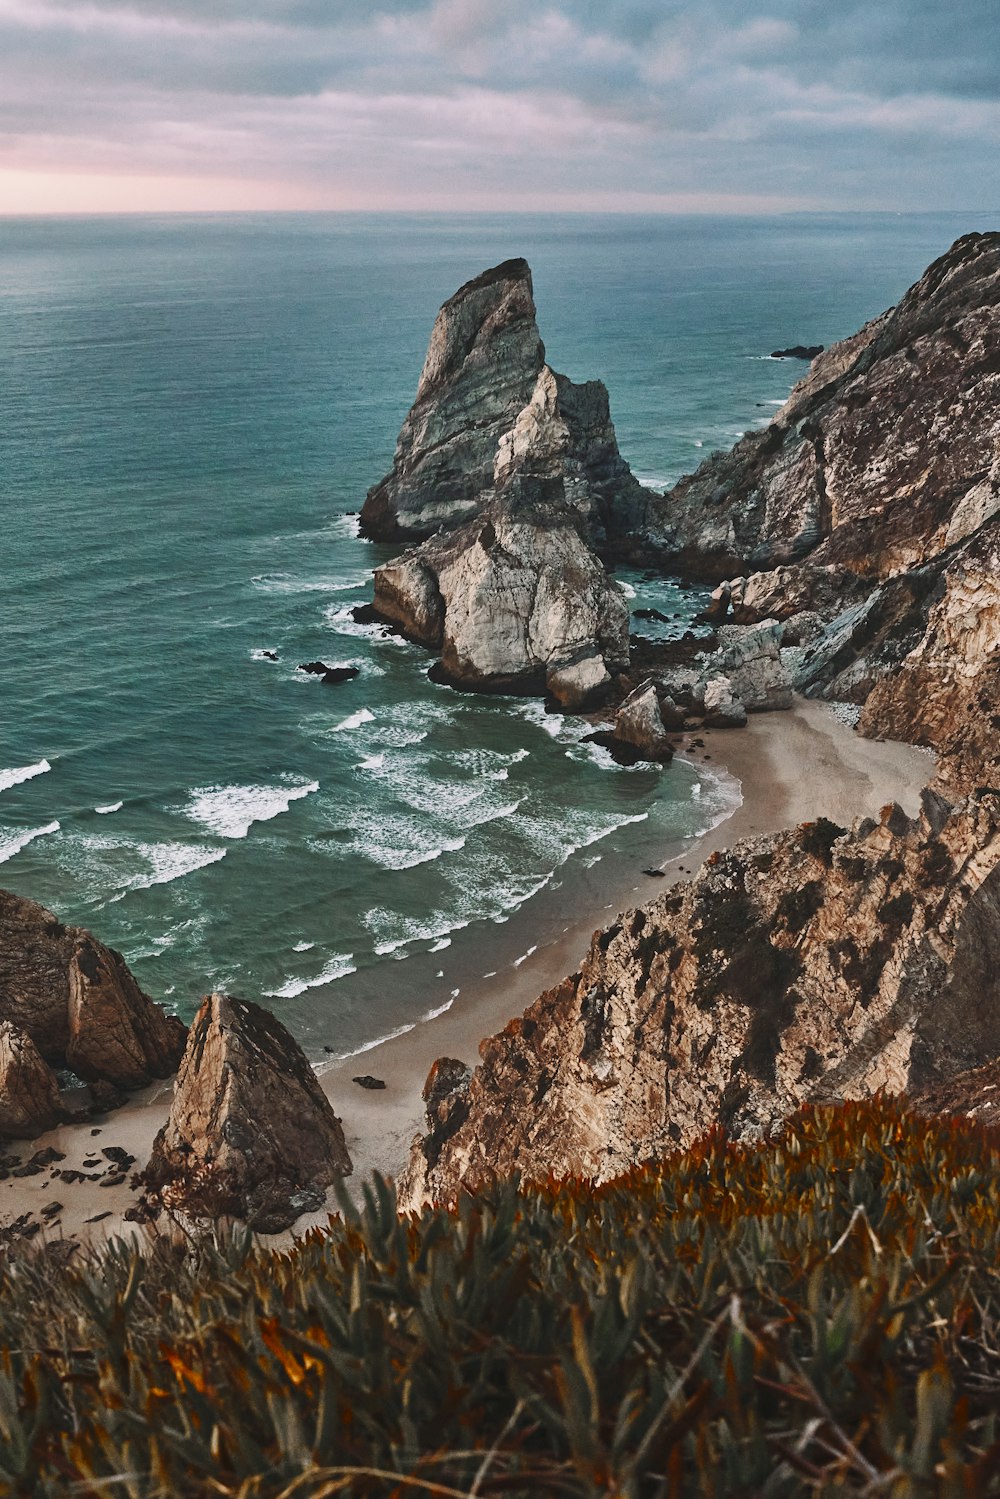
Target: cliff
x,y
69,1002
813,964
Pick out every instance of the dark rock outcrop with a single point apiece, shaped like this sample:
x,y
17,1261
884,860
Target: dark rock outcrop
x,y
798,351
251,1134
517,469
810,964
77,1001
333,676
29,1091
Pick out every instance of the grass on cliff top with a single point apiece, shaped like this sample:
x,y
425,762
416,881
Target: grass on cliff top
x,y
817,1315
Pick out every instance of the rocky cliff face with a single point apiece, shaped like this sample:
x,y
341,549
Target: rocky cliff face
x,y
516,601
811,964
882,454
251,1134
76,1003
517,469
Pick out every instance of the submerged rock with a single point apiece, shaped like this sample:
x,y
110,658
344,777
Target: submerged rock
x,y
250,1134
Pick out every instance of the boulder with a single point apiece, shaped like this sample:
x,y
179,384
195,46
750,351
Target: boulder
x,y
250,1134
798,351
516,602
751,659
722,710
29,1090
78,1002
639,724
331,675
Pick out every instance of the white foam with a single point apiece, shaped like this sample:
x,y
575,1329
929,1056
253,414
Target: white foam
x,y
363,715
525,956
339,966
396,931
107,810
20,773
168,862
231,811
626,589
441,945
284,583
442,1009
373,762
303,947
344,525
345,1056
14,842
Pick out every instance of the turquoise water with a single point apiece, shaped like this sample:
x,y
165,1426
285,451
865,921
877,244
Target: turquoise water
x,y
192,410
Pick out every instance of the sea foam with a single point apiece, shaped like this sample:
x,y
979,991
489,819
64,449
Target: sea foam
x,y
11,843
339,966
231,811
19,773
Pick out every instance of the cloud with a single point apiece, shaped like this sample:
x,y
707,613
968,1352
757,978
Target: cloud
x,y
417,101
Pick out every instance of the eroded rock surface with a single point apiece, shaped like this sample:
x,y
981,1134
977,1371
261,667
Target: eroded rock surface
x,y
29,1091
813,963
517,601
77,1001
250,1134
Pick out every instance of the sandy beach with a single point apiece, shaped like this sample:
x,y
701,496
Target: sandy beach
x,y
788,768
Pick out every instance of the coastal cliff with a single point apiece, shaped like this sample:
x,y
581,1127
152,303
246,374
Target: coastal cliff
x,y
69,1002
820,963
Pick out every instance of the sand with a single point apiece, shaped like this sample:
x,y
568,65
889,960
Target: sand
x,y
788,767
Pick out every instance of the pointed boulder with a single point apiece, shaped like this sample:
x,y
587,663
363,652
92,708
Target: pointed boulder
x,y
251,1134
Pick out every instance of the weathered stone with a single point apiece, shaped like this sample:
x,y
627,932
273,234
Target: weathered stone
x,y
516,602
721,709
483,361
78,1001
249,1128
810,964
29,1090
639,724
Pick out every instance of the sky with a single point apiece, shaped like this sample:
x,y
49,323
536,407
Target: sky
x,y
631,105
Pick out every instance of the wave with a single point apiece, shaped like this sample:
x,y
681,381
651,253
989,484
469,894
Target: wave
x,y
14,842
354,721
398,931
392,857
285,583
373,762
231,811
358,1051
625,588
524,956
344,525
171,861
303,946
109,808
19,773
339,966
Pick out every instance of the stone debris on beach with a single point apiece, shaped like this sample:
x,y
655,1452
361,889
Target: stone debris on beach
x,y
367,1081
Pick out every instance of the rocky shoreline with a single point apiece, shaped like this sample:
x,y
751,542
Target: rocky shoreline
x,y
854,545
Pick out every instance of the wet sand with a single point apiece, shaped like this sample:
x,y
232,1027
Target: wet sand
x,y
790,767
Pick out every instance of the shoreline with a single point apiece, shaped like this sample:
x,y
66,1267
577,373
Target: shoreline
x,y
789,767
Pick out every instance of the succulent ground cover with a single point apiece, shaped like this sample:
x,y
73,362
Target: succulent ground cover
x,y
818,1314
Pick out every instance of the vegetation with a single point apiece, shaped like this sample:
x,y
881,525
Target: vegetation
x,y
814,1315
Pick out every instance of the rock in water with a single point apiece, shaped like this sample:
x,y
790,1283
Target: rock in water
x,y
78,1002
484,357
809,964
29,1091
517,601
251,1134
639,725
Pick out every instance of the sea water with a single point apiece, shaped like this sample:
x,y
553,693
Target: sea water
x,y
192,412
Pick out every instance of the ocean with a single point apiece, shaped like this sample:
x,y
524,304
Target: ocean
x,y
192,411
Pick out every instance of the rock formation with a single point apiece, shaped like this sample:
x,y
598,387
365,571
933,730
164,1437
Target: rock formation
x,y
521,466
489,407
250,1134
516,602
77,1003
810,964
29,1091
